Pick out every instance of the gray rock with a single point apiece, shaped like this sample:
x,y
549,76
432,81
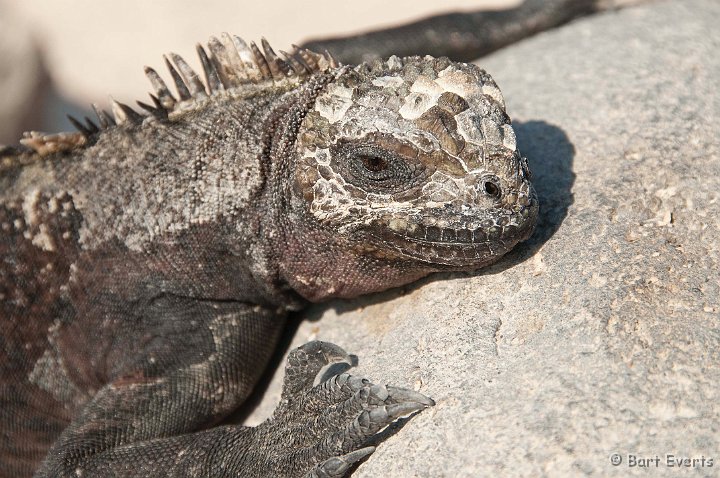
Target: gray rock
x,y
600,335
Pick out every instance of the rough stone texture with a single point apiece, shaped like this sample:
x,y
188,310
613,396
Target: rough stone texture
x,y
602,334
21,79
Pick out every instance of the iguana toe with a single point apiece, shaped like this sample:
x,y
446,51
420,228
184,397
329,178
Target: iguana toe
x,y
337,466
307,361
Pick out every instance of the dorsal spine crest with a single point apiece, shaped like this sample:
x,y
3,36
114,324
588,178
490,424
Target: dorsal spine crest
x,y
228,64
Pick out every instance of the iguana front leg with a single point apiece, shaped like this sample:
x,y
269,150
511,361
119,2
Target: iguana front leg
x,y
321,431
148,420
133,425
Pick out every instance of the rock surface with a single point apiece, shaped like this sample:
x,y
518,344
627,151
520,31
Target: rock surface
x,y
600,335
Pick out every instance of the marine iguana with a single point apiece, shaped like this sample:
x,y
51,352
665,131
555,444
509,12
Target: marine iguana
x,y
149,261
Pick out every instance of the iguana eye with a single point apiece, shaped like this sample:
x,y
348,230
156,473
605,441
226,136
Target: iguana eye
x,y
381,167
374,164
377,165
374,168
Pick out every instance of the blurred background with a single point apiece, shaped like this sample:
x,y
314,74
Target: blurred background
x,y
57,57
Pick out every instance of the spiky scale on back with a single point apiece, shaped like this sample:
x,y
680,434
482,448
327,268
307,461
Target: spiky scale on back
x,y
174,243
232,65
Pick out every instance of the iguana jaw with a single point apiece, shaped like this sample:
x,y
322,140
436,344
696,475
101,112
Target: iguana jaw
x,y
456,240
364,257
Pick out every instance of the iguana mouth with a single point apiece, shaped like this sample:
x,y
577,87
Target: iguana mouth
x,y
464,242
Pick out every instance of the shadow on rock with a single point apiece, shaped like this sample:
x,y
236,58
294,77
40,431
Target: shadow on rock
x,y
550,154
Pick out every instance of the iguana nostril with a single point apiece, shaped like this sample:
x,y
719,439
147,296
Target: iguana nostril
x,y
492,189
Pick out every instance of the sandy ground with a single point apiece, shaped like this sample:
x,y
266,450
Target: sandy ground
x,y
98,48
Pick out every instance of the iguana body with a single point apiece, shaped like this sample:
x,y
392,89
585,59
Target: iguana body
x,y
147,267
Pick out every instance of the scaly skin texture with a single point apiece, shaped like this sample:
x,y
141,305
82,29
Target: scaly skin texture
x,y
147,266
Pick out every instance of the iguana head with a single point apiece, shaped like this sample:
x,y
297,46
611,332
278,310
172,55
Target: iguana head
x,y
416,159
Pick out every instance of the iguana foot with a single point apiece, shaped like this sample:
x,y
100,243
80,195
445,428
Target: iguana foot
x,y
321,431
